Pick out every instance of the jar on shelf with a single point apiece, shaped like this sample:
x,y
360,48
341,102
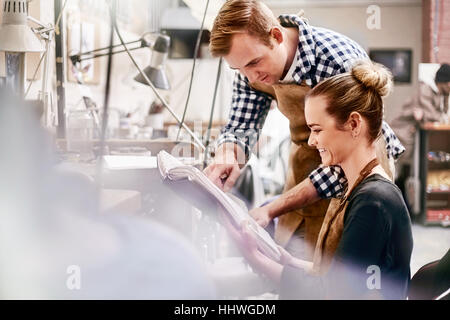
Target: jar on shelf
x,y
80,133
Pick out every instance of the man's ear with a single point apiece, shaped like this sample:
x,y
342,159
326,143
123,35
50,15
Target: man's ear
x,y
277,34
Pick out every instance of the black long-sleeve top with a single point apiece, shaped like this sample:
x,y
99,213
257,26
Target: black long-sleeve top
x,y
373,256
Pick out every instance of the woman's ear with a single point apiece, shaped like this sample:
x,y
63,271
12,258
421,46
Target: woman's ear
x,y
277,34
354,124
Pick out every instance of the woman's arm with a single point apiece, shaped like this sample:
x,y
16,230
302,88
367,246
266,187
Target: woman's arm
x,y
260,262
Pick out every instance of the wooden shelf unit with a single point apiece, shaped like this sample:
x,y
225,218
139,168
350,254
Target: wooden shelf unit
x,y
434,201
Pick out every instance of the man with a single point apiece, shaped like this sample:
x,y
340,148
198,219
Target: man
x,y
281,59
429,104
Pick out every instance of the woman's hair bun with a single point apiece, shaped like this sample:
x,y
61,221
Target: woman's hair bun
x,y
373,75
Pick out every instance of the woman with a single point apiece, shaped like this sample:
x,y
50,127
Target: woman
x,y
365,243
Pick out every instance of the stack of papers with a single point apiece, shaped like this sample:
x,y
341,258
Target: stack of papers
x,y
173,169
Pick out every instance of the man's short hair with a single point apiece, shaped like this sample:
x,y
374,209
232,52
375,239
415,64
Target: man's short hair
x,y
443,73
241,16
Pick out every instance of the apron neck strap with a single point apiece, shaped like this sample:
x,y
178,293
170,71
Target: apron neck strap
x,y
368,168
364,173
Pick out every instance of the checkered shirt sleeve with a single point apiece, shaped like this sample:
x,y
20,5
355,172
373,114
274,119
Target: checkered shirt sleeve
x,y
329,181
393,145
248,113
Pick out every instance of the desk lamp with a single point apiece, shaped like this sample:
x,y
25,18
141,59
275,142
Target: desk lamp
x,y
155,71
17,38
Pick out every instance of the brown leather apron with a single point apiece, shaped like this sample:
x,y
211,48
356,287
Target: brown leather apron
x,y
302,161
333,225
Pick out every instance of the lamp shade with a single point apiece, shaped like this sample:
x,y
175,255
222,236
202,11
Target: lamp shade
x,y
156,71
157,77
15,34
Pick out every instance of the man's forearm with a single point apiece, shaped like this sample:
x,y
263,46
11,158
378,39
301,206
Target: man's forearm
x,y
298,197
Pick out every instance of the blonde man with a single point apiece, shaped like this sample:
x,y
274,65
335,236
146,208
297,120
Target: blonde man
x,y
281,59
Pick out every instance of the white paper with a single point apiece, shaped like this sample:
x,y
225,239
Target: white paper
x,y
129,162
173,169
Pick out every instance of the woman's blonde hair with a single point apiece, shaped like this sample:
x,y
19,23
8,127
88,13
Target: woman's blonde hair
x,y
241,16
360,90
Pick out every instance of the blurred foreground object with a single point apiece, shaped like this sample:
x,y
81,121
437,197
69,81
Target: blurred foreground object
x,y
54,245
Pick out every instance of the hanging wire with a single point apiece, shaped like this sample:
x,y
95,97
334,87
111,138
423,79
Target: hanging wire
x,y
197,47
208,133
34,75
106,100
45,53
59,17
152,86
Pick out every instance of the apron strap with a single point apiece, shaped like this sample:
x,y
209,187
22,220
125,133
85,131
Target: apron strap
x,y
365,172
362,175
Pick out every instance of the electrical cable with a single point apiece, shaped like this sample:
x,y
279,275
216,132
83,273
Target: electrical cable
x,y
43,55
158,95
197,47
59,18
106,101
208,133
34,75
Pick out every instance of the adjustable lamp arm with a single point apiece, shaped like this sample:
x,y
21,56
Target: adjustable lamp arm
x,y
93,53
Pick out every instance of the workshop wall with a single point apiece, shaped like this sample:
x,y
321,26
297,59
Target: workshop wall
x,y
400,28
434,22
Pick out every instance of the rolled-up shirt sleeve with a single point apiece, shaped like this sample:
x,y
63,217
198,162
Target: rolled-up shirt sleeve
x,y
393,145
330,182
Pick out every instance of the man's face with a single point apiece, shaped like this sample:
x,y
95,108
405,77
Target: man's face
x,y
255,60
444,88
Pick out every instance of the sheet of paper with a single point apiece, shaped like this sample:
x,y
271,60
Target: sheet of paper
x,y
129,162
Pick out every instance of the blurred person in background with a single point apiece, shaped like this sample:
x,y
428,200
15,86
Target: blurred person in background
x,y
429,104
55,245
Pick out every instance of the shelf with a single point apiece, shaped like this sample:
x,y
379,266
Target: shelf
x,y
434,126
432,160
438,156
438,191
438,217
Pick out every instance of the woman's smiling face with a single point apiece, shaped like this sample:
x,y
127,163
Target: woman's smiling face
x,y
333,144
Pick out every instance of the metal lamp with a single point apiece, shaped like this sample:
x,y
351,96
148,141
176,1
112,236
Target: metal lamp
x,y
156,71
17,38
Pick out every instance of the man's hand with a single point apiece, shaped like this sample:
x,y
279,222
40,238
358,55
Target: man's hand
x,y
261,215
224,170
302,195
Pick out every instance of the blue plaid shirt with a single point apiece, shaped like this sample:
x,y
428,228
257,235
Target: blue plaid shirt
x,y
322,53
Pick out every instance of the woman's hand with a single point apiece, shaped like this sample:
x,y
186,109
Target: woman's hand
x,y
286,258
242,237
246,242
